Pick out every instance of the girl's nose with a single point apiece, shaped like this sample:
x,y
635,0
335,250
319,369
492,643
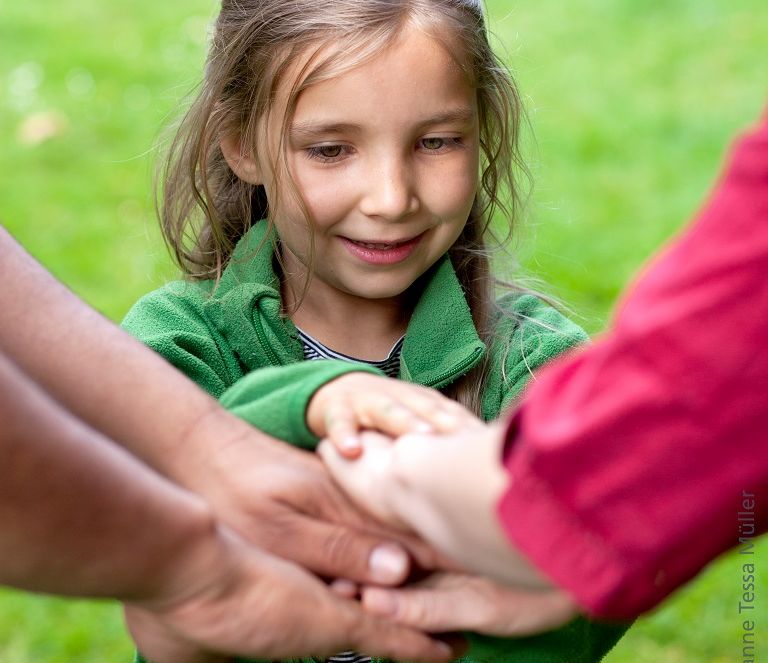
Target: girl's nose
x,y
390,192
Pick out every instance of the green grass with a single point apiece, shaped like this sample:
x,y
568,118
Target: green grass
x,y
631,104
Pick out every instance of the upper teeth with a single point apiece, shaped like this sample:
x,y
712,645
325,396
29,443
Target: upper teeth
x,y
369,245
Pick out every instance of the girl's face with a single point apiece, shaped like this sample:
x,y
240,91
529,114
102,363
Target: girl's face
x,y
386,160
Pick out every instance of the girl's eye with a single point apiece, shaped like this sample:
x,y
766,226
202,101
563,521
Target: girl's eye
x,y
327,153
432,143
439,144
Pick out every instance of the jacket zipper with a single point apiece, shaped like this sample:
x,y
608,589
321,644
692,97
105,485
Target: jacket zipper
x,y
458,369
271,356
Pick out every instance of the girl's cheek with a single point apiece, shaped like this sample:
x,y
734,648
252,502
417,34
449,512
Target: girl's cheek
x,y
326,194
453,193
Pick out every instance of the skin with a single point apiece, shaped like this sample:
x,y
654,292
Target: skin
x,y
385,152
354,402
257,485
269,494
73,501
379,163
404,482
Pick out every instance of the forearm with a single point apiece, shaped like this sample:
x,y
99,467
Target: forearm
x,y
102,374
78,515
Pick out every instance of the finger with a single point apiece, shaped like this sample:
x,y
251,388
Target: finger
x,y
513,613
342,430
336,551
161,645
385,639
388,414
344,588
442,413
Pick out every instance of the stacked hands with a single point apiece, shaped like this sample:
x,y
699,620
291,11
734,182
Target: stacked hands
x,y
371,516
394,449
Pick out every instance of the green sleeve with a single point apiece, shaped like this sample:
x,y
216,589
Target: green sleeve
x,y
171,321
580,641
528,333
275,399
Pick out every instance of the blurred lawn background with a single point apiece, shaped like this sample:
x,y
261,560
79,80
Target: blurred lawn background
x,y
631,105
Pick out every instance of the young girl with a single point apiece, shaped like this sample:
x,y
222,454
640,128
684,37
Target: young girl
x,y
327,196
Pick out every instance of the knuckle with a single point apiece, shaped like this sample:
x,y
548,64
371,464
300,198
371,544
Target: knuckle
x,y
342,548
416,609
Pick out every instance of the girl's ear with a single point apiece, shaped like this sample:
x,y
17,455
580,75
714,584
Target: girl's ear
x,y
242,164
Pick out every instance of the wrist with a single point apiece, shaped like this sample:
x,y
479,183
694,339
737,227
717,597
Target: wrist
x,y
193,557
317,406
207,440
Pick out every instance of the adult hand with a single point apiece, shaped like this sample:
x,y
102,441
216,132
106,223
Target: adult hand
x,y
283,500
273,495
353,402
232,599
461,602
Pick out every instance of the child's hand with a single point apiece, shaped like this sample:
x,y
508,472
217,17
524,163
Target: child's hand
x,y
342,408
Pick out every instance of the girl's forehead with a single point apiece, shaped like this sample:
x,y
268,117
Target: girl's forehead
x,y
334,57
410,83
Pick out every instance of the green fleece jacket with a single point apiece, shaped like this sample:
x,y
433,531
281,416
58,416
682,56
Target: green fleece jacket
x,y
231,339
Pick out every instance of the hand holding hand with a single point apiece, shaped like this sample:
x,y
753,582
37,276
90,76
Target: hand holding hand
x,y
283,500
444,488
354,402
233,599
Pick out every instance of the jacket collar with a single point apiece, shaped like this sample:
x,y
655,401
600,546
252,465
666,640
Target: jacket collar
x,y
441,342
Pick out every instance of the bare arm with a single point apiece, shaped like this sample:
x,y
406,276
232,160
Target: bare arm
x,y
80,516
77,514
277,497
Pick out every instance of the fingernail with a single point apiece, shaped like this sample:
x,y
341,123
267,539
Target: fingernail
x,y
388,564
350,443
380,602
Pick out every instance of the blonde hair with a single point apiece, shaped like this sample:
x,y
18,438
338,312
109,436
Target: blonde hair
x,y
205,208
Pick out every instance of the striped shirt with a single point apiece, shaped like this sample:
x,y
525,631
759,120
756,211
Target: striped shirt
x,y
348,657
314,349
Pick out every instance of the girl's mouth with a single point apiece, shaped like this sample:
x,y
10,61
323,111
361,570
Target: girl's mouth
x,y
381,253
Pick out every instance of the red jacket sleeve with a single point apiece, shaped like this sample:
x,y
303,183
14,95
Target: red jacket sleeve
x,y
638,460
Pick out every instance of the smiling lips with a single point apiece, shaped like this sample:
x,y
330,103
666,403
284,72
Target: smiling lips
x,y
381,253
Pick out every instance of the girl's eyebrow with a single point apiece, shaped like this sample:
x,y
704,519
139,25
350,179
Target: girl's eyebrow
x,y
463,115
309,129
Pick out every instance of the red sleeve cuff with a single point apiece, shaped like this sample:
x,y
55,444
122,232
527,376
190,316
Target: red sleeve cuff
x,y
563,548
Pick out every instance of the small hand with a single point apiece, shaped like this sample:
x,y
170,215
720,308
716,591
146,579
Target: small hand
x,y
460,602
357,401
